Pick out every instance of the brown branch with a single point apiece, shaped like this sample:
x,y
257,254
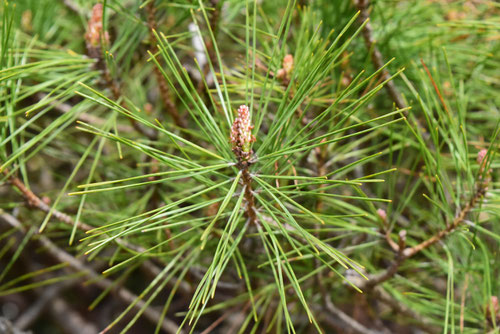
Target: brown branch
x,y
249,197
391,242
96,39
392,270
409,252
34,201
377,58
160,79
241,140
405,253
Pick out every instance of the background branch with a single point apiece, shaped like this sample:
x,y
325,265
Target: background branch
x,y
120,292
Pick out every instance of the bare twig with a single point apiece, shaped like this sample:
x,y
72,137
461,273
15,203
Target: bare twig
x,y
381,295
70,320
337,318
43,300
6,327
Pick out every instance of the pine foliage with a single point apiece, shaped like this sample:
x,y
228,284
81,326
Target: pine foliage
x,y
252,166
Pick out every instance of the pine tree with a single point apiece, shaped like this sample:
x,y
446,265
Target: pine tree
x,y
228,166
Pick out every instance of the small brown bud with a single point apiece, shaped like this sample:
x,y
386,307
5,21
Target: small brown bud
x,y
288,64
148,108
284,73
95,32
26,20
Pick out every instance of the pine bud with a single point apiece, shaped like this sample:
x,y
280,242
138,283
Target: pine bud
x,y
95,31
241,134
382,214
481,155
284,74
484,175
288,64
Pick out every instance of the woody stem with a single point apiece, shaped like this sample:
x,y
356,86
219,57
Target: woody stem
x,y
249,197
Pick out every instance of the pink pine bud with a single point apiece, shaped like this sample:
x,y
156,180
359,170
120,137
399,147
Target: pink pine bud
x,y
95,29
285,72
288,64
481,155
382,214
241,133
481,160
493,308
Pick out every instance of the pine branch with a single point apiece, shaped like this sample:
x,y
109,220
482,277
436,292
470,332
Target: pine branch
x,y
376,55
96,38
162,83
34,201
241,139
105,284
409,252
405,253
